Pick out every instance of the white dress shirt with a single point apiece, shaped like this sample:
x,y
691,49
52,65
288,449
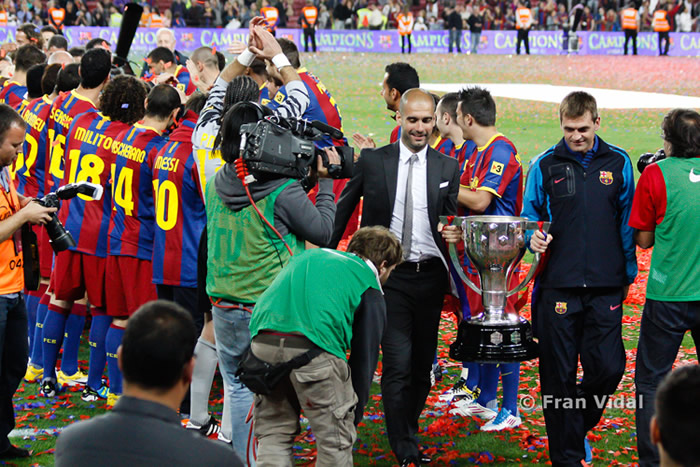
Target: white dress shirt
x,y
422,244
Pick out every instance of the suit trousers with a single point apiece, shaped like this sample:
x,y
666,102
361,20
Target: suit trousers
x,y
414,295
13,360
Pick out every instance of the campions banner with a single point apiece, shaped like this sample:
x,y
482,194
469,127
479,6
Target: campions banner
x,y
491,42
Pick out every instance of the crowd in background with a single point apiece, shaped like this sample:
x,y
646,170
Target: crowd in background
x,y
549,15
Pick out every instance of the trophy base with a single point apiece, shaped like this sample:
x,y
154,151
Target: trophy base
x,y
494,343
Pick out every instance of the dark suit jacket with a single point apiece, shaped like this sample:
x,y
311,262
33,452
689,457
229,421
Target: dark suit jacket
x,y
139,433
374,178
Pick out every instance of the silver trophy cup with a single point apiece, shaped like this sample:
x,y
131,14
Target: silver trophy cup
x,y
494,245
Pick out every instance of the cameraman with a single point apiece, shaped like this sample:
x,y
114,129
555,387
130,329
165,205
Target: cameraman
x,y
329,301
15,211
245,253
665,215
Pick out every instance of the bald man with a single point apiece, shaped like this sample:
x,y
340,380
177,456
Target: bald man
x,y
406,186
203,66
61,57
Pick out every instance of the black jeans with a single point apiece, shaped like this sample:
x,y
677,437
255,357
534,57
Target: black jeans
x,y
631,34
664,37
523,37
309,33
13,360
585,322
414,303
663,326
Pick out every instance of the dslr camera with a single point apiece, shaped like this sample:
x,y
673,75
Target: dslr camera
x,y
285,147
649,158
60,238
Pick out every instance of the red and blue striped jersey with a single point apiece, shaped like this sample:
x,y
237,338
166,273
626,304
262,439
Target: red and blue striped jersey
x,y
12,94
395,134
184,80
133,217
179,208
29,167
89,158
65,108
495,167
463,152
445,146
322,106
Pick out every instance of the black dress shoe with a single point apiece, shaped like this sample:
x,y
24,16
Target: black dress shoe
x,y
410,462
14,452
425,459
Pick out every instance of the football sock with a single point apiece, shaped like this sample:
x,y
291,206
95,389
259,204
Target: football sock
x,y
473,374
54,327
31,301
510,379
202,378
112,342
37,355
75,323
488,382
98,357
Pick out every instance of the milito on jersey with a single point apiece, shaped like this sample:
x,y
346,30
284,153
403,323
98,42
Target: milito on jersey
x,y
88,157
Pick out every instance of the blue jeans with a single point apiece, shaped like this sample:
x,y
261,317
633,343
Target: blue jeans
x,y
474,40
14,352
455,39
232,339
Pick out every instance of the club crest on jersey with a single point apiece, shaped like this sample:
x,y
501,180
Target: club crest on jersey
x,y
474,183
606,178
560,307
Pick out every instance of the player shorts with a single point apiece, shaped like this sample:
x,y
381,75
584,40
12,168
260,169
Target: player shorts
x,y
45,250
130,284
75,273
476,303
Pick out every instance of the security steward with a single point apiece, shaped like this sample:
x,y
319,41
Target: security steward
x,y
630,24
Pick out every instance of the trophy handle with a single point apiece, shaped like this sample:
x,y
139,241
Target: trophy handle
x,y
531,225
454,257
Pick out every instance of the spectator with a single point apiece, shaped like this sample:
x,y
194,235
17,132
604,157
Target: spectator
x,y
71,14
342,15
178,7
476,24
453,23
375,18
115,17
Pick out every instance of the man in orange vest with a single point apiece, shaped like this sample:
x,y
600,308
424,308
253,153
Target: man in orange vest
x,y
3,16
56,15
15,211
630,24
523,21
662,27
405,20
308,21
272,16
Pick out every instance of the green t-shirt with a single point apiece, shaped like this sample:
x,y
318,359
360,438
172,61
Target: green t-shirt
x,y
674,274
316,295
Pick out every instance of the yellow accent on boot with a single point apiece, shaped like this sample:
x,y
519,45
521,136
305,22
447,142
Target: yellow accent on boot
x,y
33,374
112,399
77,379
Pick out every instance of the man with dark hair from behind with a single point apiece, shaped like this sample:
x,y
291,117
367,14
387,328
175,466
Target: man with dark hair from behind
x,y
674,429
13,91
98,42
665,213
94,71
399,77
157,357
57,42
34,75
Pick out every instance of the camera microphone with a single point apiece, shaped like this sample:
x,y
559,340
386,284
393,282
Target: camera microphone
x,y
325,128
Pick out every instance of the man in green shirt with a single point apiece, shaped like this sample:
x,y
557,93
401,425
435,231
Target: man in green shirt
x,y
330,300
665,214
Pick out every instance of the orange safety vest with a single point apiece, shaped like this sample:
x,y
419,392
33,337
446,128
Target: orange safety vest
x,y
629,18
58,15
523,18
11,269
271,14
156,21
3,18
661,22
310,15
405,23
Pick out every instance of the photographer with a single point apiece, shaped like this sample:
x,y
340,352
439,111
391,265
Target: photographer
x,y
326,302
249,244
665,215
15,211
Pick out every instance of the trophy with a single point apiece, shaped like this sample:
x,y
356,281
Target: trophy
x,y
495,245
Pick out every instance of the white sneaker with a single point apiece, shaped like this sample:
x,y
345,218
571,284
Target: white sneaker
x,y
504,421
473,409
459,391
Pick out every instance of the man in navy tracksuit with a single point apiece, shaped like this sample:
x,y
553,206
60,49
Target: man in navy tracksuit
x,y
584,186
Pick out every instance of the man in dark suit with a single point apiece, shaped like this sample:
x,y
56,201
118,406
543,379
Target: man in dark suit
x,y
156,358
406,187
